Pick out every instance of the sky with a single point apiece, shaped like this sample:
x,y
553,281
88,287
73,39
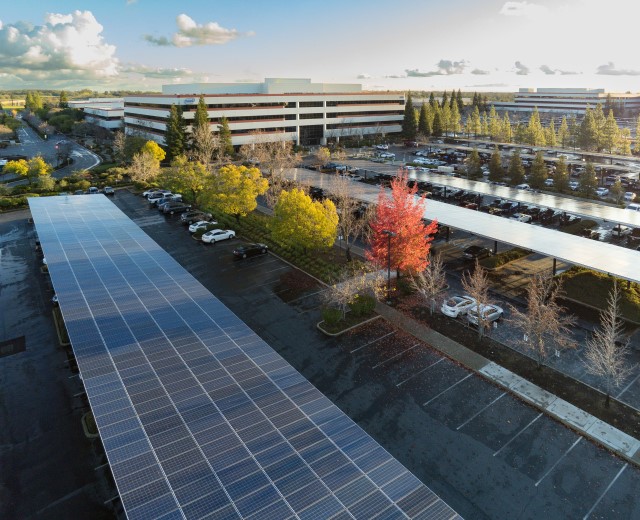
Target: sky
x,y
472,45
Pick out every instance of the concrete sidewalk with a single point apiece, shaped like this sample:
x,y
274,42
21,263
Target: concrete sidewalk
x,y
591,427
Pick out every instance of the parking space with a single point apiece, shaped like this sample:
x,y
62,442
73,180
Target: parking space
x,y
486,453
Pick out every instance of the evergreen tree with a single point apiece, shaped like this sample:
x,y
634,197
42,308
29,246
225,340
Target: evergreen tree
x,y
445,113
588,181
550,134
538,172
608,104
452,100
201,117
437,127
535,132
409,123
494,124
432,100
459,101
617,191
443,103
624,142
610,134
636,143
424,128
225,137
474,165
476,124
561,176
516,169
506,135
588,132
484,125
64,100
574,131
496,171
454,119
564,136
485,103
175,137
474,102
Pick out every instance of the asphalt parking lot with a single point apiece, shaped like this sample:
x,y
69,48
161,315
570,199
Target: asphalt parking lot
x,y
483,451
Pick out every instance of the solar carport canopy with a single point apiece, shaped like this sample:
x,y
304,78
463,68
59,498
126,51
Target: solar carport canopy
x,y
198,416
600,256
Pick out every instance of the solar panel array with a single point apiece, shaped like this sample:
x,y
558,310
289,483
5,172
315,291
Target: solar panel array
x,y
198,416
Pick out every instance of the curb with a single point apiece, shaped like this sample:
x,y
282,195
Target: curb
x,y
336,334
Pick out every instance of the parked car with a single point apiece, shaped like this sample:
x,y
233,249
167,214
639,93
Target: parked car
x,y
602,192
157,195
194,216
387,155
457,306
170,197
216,235
629,196
250,250
202,224
93,190
489,313
148,192
521,217
477,252
170,208
522,187
382,147
108,190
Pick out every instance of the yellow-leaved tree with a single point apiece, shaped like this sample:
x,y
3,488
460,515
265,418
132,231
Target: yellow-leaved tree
x,y
300,221
234,189
145,165
190,178
32,169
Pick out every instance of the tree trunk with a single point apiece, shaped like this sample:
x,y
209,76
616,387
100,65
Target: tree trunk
x,y
347,252
607,400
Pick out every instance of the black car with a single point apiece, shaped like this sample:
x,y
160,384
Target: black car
x,y
175,207
477,252
194,216
250,250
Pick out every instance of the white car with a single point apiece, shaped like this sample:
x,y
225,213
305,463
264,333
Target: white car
x,y
521,217
522,187
201,224
602,192
457,306
387,155
216,235
382,147
548,182
629,196
490,313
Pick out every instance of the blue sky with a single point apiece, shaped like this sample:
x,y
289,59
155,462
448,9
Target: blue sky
x,y
383,44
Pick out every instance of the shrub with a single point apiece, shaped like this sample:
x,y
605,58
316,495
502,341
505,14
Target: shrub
x,y
495,261
331,316
363,304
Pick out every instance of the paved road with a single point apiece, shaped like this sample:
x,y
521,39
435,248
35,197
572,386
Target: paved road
x,y
31,144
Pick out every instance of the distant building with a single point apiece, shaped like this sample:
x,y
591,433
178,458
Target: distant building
x,y
277,109
568,101
104,112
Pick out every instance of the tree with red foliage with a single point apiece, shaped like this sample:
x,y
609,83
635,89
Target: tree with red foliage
x,y
401,213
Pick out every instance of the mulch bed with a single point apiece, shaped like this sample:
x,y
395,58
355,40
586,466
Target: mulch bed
x,y
620,415
294,284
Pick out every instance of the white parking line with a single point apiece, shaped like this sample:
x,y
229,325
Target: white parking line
x,y
558,461
306,296
605,491
447,389
397,355
628,386
372,342
419,372
517,434
277,269
480,411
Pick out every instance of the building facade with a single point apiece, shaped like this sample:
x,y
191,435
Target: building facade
x,y
275,110
569,101
104,112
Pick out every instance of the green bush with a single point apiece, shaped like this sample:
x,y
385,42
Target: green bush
x,y
404,286
363,305
331,316
577,228
500,259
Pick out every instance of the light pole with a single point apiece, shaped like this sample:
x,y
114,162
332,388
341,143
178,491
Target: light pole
x,y
389,235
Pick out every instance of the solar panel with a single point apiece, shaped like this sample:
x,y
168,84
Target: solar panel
x,y
198,416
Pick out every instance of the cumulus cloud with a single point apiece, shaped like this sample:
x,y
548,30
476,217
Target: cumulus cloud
x,y
156,72
364,76
190,34
524,9
444,68
609,69
480,72
521,69
65,47
549,71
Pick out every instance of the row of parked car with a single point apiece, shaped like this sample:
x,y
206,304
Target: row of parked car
x,y
467,307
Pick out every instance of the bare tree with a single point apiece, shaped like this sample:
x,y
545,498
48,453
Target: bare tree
x,y
430,282
144,167
345,292
120,147
476,285
322,155
606,351
354,217
275,158
545,324
207,147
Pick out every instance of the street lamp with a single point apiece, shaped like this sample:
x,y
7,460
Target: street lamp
x,y
389,234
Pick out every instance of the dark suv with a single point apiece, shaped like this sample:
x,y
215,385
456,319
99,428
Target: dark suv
x,y
175,207
477,252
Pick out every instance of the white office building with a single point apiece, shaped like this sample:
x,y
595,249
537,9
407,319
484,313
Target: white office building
x,y
104,112
568,101
276,110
